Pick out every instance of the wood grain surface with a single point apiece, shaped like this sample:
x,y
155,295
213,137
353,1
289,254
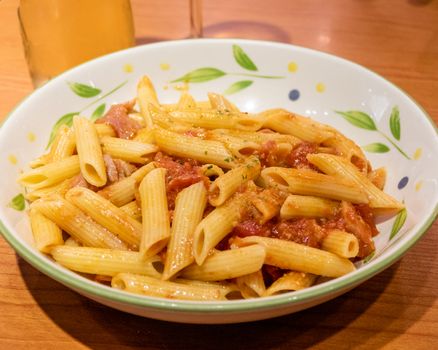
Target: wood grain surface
x,y
397,309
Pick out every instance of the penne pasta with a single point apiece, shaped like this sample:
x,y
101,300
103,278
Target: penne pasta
x,y
128,150
132,209
146,95
156,225
104,261
203,201
298,257
123,191
63,145
211,119
104,130
307,206
286,122
291,281
310,183
46,233
220,103
145,135
225,185
206,151
232,263
50,174
90,154
107,214
341,243
251,285
214,227
189,208
76,223
150,286
341,168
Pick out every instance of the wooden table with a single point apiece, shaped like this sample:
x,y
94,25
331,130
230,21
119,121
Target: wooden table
x,y
397,309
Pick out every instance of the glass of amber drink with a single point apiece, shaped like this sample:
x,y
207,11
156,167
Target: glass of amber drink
x,y
60,34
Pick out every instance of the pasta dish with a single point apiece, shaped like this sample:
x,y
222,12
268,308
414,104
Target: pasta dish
x,y
198,200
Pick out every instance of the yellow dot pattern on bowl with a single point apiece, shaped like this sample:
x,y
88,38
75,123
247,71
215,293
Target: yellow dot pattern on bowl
x,y
12,159
417,153
292,67
320,87
31,137
418,185
164,66
128,68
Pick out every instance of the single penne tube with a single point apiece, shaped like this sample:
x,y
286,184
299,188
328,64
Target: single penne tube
x,y
343,169
259,137
214,227
186,101
123,191
128,150
307,206
76,223
310,183
146,95
63,145
46,233
291,281
227,264
286,122
107,214
155,215
40,161
298,257
132,209
251,285
50,174
341,243
238,146
228,288
89,151
59,188
206,151
189,208
104,261
221,103
212,119
211,170
225,185
348,149
154,287
104,130
145,135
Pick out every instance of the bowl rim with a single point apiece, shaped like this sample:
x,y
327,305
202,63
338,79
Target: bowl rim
x,y
63,275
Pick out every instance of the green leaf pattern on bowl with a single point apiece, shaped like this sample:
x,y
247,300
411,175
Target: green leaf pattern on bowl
x,y
205,74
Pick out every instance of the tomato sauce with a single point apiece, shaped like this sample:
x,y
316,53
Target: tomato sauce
x,y
298,157
181,173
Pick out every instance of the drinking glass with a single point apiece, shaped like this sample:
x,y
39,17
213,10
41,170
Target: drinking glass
x,y
60,34
196,18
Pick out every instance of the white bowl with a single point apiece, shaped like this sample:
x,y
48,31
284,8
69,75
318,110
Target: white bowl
x,y
309,82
